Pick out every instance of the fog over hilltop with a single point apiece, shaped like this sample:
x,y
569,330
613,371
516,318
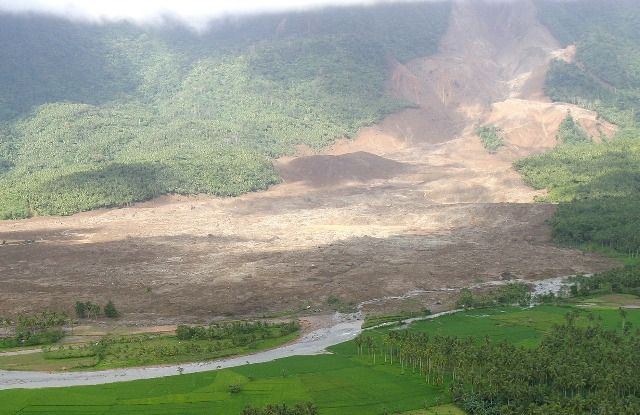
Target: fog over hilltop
x,y
195,12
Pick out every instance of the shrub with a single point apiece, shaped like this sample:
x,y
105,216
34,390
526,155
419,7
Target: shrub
x,y
492,137
571,132
509,294
184,332
110,310
87,309
35,329
333,300
81,309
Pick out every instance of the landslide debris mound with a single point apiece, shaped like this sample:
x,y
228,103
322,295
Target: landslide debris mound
x,y
494,54
413,203
333,170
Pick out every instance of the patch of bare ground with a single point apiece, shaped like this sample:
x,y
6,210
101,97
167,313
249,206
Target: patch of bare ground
x,y
413,203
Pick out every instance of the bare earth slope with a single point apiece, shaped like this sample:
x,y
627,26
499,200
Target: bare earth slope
x,y
414,203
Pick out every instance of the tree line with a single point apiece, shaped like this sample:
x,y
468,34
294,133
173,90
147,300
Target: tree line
x,y
241,332
597,184
597,187
624,280
88,309
575,369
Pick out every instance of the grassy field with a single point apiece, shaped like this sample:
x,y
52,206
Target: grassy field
x,y
137,353
611,302
144,349
524,327
340,383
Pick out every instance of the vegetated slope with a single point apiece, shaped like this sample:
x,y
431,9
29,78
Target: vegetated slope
x,y
357,227
117,113
490,74
599,183
604,75
599,186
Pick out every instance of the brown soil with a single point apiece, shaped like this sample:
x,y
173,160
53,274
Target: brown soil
x,y
332,170
412,203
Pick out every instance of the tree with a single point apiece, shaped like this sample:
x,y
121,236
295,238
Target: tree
x,y
623,315
93,310
87,309
492,137
307,408
571,132
184,332
81,309
110,310
465,300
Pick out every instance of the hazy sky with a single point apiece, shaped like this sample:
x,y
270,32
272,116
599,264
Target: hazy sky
x,y
193,11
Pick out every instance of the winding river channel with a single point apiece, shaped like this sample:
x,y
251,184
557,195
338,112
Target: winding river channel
x,y
341,328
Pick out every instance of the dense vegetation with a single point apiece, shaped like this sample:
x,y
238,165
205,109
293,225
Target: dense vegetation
x,y
238,331
104,115
189,344
621,281
357,380
282,409
492,137
33,329
571,132
605,73
509,294
562,375
598,184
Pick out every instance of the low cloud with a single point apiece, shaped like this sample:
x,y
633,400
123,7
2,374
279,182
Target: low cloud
x,y
194,12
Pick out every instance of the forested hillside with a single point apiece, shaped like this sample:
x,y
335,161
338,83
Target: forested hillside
x,y
597,183
104,115
606,73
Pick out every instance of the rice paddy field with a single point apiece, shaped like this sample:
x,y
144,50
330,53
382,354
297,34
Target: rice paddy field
x,y
339,383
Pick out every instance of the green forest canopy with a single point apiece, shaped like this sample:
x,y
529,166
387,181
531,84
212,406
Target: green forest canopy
x,y
598,184
605,75
104,115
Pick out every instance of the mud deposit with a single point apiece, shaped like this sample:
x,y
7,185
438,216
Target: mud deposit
x,y
411,204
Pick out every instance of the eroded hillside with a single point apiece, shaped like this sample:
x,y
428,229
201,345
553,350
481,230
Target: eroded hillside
x,y
412,203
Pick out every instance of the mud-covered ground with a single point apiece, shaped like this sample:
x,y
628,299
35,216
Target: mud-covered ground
x,y
414,203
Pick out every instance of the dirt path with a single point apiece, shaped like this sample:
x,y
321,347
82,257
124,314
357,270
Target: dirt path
x,y
20,352
410,204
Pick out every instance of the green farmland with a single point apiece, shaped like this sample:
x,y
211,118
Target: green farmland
x,y
110,352
345,382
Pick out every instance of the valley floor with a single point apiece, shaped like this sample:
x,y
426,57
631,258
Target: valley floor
x,y
414,203
345,381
